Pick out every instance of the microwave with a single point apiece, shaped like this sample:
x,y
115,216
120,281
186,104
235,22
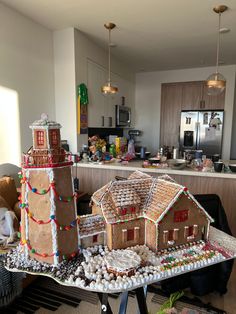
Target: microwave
x,y
123,116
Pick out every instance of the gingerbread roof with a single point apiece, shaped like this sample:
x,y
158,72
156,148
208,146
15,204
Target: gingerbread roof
x,y
45,123
162,194
91,224
122,193
138,175
154,197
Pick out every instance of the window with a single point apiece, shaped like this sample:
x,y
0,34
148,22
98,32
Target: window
x,y
9,127
171,235
190,232
181,215
130,234
123,211
40,138
54,137
95,238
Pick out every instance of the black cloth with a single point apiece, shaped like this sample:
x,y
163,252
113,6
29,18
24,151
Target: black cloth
x,y
212,278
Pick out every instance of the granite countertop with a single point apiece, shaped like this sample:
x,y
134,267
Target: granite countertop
x,y
137,165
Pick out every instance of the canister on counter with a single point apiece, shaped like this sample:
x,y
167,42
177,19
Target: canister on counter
x,y
198,154
118,145
175,153
143,152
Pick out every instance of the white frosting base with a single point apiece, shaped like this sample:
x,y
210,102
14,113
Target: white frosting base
x,y
122,260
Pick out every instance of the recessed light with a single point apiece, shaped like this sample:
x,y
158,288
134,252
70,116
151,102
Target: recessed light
x,y
224,30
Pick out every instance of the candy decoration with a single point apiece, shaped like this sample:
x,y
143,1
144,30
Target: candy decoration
x,y
52,218
32,250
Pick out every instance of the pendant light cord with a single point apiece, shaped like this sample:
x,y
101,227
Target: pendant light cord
x,y
218,45
109,57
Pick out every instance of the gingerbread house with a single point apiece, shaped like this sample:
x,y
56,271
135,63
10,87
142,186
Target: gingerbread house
x,y
92,230
157,212
48,201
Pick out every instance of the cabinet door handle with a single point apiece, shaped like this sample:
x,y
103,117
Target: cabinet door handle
x,y
110,121
203,104
103,122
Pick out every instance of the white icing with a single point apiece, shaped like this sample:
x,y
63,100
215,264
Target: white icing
x,y
75,206
25,200
50,174
122,260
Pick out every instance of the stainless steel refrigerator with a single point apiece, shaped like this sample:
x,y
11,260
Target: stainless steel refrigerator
x,y
202,130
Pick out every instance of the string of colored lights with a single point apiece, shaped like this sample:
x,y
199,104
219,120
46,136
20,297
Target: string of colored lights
x,y
45,191
52,218
33,251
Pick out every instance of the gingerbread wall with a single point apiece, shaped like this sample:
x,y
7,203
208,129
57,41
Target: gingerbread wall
x,y
195,217
89,240
40,235
151,234
116,238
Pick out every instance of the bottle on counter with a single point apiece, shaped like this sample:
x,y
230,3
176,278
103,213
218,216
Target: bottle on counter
x,y
112,150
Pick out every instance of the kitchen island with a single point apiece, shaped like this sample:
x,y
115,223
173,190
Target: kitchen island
x,y
93,176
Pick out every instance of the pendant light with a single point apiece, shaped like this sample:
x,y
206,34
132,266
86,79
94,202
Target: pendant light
x,y
108,88
216,82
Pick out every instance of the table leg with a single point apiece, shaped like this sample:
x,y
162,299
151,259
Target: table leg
x,y
105,306
141,298
123,302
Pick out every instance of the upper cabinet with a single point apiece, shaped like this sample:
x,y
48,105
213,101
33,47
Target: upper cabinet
x,y
97,102
212,102
101,109
195,97
191,95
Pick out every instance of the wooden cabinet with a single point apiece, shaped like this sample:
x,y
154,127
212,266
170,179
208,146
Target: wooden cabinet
x,y
101,109
191,95
171,99
195,97
212,102
97,102
183,96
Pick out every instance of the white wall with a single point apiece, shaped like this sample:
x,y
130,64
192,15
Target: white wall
x,y
72,50
148,101
26,67
65,92
86,50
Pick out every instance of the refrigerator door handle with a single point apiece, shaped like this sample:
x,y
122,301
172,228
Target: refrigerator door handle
x,y
197,135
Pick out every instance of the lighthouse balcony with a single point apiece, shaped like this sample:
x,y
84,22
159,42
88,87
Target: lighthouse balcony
x,y
46,158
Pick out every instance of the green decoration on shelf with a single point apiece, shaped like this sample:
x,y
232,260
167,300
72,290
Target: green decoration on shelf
x,y
83,93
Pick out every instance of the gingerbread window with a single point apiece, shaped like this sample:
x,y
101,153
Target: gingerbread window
x,y
95,238
130,234
40,138
171,235
181,215
54,137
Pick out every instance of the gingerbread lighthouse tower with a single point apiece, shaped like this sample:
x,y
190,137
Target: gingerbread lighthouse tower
x,y
48,202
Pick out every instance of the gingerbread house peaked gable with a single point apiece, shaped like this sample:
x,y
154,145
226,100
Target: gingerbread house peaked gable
x,y
164,194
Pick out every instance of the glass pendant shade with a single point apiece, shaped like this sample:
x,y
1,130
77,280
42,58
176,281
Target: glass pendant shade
x,y
109,88
215,84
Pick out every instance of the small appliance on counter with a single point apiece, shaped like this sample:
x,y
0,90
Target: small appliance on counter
x,y
123,116
201,130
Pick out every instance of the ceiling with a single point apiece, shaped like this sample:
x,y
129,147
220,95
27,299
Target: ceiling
x,y
150,35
